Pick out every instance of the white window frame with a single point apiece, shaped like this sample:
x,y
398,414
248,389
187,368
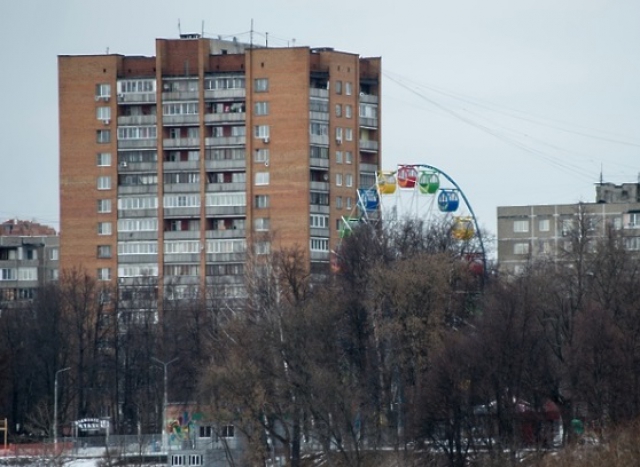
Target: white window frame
x,y
104,228
261,178
103,113
104,274
103,182
521,225
521,248
544,225
261,85
104,206
338,179
103,159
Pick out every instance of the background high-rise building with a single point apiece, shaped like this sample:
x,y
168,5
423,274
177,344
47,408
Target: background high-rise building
x,y
172,166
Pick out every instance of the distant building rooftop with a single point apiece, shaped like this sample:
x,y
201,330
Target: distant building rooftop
x,y
20,228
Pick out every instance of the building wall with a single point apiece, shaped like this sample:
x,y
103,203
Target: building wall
x,y
528,233
298,79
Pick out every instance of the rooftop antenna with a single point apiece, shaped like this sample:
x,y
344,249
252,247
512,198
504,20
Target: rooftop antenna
x,y
251,35
107,50
601,176
179,30
202,30
266,39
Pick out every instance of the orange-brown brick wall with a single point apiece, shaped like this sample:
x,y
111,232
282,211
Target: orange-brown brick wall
x,y
77,79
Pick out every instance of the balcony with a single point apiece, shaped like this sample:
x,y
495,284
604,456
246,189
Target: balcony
x,y
319,209
188,119
319,256
224,117
222,211
137,120
182,212
319,116
229,233
137,167
368,99
219,187
367,122
319,162
174,143
137,98
235,93
182,235
319,186
137,190
180,165
368,168
137,236
368,146
181,187
319,139
226,257
137,143
319,92
226,141
180,96
225,164
182,258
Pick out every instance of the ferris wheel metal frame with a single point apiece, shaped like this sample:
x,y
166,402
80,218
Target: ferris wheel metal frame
x,y
365,201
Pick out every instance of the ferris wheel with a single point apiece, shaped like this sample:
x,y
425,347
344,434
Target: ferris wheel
x,y
420,191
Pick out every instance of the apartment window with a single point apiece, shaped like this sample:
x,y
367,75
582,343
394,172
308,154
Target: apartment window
x,y
238,131
632,243
261,201
104,274
193,132
338,179
338,202
348,111
338,87
319,244
348,179
196,459
348,134
178,459
8,274
521,249
262,178
53,254
262,248
339,157
103,113
138,248
104,182
338,110
183,108
348,88
261,85
103,91
103,136
261,224
261,156
349,204
227,431
261,108
348,157
138,225
103,159
104,228
104,206
544,225
617,223
319,221
521,226
634,219
174,133
104,251
339,134
261,131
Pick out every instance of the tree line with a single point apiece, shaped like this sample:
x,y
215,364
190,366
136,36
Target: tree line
x,y
404,346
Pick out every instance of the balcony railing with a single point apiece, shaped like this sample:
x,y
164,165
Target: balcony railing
x,y
188,119
137,143
234,93
137,120
368,99
366,145
369,122
224,117
180,96
318,92
137,97
226,141
171,143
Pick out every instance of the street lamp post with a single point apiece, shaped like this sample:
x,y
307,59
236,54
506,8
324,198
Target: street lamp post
x,y
165,401
55,405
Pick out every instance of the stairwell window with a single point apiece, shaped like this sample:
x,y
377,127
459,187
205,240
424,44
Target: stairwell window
x,y
104,206
104,228
261,85
262,178
261,201
261,131
103,113
104,274
104,183
261,108
103,136
103,159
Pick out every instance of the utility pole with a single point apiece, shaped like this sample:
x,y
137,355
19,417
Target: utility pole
x,y
165,401
55,406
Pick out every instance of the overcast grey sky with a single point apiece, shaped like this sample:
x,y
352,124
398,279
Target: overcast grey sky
x,y
519,101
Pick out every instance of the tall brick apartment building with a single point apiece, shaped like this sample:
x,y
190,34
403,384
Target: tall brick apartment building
x,y
173,166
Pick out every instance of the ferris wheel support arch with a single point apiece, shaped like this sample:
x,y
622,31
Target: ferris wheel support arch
x,y
466,201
